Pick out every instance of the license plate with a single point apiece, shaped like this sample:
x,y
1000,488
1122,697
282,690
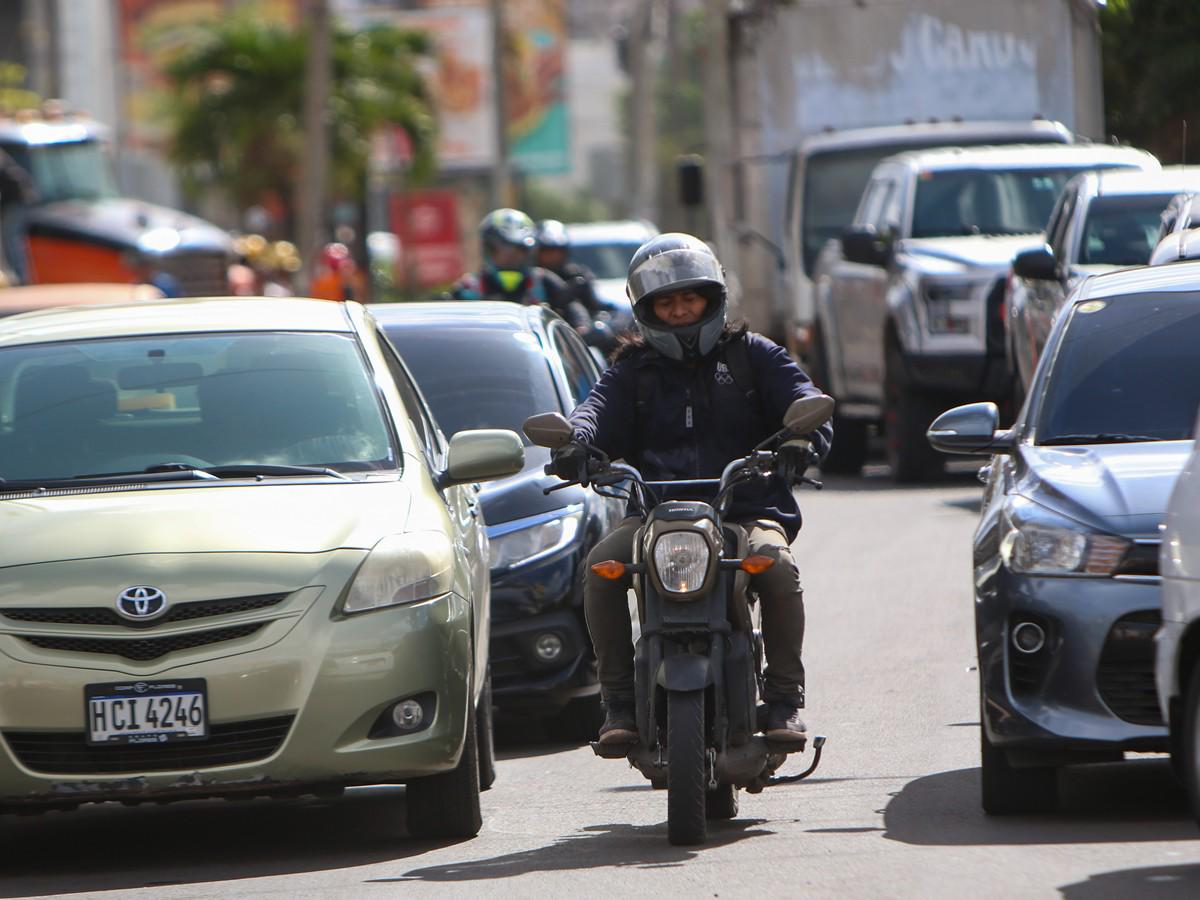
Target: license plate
x,y
146,712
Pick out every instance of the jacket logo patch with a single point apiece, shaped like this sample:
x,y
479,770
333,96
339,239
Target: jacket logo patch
x,y
723,375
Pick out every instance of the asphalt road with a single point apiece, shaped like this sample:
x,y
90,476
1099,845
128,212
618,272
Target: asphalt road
x,y
892,812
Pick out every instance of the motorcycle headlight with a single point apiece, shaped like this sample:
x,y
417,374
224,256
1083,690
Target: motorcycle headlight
x,y
528,540
403,568
1037,541
681,560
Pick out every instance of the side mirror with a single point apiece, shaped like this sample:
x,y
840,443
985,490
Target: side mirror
x,y
548,430
972,429
808,413
862,244
481,456
1037,264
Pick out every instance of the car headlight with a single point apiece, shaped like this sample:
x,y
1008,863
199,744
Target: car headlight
x,y
402,568
681,561
949,306
528,540
1037,541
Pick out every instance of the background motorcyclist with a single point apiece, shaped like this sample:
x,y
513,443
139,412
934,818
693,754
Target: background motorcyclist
x,y
507,239
675,405
554,255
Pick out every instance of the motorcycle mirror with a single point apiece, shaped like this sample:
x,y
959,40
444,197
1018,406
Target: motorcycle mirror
x,y
548,430
808,413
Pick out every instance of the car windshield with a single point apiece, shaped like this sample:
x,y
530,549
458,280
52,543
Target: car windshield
x,y
1126,369
1121,231
503,380
72,171
605,260
207,400
954,202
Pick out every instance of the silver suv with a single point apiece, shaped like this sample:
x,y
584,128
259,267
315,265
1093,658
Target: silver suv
x,y
909,316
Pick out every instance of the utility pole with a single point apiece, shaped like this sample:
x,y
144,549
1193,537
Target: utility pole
x,y
42,24
502,169
718,128
643,183
314,170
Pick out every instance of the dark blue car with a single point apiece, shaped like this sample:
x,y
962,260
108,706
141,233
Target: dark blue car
x,y
492,365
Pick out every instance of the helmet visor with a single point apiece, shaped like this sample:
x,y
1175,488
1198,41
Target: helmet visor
x,y
674,270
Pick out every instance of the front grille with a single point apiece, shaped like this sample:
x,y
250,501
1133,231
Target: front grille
x,y
102,615
1140,559
1125,677
62,753
143,649
198,274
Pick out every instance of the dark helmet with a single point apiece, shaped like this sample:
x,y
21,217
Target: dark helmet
x,y
677,262
506,226
553,233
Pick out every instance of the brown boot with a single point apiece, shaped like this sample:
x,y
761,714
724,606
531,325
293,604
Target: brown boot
x,y
620,723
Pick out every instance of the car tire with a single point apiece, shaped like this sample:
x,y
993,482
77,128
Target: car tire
x,y
1009,790
1190,742
447,805
485,728
848,452
908,412
579,721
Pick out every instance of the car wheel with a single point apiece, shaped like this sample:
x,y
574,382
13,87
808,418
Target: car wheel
x,y
908,413
485,727
848,452
447,805
1008,790
1190,743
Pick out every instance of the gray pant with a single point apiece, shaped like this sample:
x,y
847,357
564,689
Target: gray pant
x,y
778,588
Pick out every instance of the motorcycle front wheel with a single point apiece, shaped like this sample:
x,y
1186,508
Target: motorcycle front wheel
x,y
686,776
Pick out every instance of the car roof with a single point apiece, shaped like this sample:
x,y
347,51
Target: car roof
x,y
923,132
199,315
1117,182
1179,276
629,230
1017,156
499,314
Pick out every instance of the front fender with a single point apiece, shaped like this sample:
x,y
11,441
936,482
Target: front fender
x,y
684,672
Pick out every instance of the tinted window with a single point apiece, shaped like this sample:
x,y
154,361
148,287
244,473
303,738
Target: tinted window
x,y
103,406
605,260
1121,231
72,171
579,374
1125,366
426,431
478,377
986,201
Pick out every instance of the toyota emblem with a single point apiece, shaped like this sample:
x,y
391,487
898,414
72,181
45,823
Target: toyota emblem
x,y
141,602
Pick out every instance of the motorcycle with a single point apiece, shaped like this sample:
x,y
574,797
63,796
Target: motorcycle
x,y
699,658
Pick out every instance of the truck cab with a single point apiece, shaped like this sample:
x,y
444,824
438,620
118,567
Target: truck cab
x,y
908,301
81,229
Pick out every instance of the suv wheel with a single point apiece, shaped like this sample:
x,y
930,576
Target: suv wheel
x,y
848,453
1008,790
447,805
908,412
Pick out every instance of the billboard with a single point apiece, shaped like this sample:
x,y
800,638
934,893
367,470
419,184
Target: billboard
x,y
535,45
427,224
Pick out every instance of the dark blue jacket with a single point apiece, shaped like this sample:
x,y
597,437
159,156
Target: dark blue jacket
x,y
695,420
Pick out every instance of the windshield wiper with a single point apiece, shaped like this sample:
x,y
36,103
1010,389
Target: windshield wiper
x,y
104,478
1100,438
250,470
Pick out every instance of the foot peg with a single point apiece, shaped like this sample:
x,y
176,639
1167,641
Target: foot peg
x,y
612,751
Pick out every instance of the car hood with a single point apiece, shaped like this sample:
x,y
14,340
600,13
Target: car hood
x,y
977,251
262,518
125,224
1122,488
521,495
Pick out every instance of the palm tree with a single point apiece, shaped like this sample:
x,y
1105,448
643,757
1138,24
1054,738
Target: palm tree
x,y
236,99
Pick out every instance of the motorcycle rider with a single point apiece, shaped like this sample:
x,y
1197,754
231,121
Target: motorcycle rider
x,y
685,396
507,238
554,255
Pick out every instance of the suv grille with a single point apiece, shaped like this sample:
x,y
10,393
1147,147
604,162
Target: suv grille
x,y
102,615
1125,677
61,753
143,649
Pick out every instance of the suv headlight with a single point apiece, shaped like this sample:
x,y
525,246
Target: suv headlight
x,y
949,306
528,540
402,568
681,560
1037,541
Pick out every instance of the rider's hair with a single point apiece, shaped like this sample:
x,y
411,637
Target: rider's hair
x,y
632,343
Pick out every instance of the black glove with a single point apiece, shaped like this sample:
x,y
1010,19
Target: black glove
x,y
569,463
793,459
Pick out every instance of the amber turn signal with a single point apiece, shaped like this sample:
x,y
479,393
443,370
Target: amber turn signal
x,y
610,569
756,564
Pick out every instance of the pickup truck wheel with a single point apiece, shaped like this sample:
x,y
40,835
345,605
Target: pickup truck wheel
x,y
907,413
848,453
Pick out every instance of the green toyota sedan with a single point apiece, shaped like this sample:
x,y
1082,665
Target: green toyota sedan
x,y
237,557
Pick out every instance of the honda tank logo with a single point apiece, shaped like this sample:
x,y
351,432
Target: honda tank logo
x,y
141,602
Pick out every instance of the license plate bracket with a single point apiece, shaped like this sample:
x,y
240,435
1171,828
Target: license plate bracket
x,y
146,712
